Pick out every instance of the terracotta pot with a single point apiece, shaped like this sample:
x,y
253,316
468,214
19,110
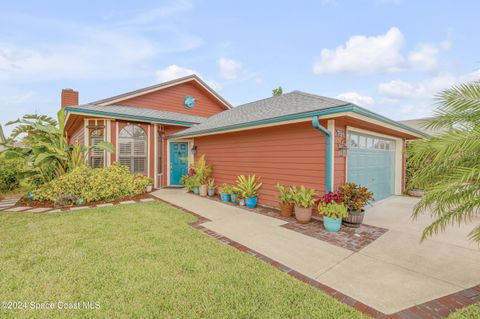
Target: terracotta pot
x,y
203,190
303,215
354,219
286,210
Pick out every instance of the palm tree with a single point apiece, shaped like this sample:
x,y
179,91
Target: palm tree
x,y
47,154
449,164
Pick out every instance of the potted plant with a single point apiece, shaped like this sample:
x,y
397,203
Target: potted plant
x,y
188,182
355,197
247,187
149,185
225,192
196,184
235,198
303,203
286,200
211,187
203,171
333,210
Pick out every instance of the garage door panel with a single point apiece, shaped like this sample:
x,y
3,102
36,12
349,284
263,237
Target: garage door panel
x,y
371,163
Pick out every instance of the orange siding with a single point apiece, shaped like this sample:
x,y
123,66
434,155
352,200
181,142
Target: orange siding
x,y
171,100
291,154
78,137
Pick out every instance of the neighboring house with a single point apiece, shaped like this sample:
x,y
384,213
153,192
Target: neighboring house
x,y
421,125
294,138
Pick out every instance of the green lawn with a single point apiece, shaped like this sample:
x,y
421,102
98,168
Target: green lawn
x,y
143,261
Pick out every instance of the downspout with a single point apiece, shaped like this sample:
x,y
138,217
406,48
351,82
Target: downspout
x,y
328,153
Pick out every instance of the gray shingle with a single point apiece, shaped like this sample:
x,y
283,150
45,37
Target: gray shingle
x,y
295,102
129,111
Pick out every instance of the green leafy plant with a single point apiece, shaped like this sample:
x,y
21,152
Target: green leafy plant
x,y
355,197
303,197
93,185
226,189
247,186
449,164
211,182
285,195
202,170
333,209
10,174
188,182
47,151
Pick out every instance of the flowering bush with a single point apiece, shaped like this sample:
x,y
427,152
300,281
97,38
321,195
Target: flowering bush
x,y
93,185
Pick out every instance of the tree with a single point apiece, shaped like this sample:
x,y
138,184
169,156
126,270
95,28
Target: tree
x,y
47,153
449,164
277,91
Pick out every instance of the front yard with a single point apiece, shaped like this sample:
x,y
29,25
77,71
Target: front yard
x,y
144,261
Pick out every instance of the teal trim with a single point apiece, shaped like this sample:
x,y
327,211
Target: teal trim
x,y
345,108
328,153
334,110
134,117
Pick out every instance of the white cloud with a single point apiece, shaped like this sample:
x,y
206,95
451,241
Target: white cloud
x,y
356,98
173,71
425,89
364,54
229,68
375,54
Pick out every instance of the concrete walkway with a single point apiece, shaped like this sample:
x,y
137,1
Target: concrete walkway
x,y
391,274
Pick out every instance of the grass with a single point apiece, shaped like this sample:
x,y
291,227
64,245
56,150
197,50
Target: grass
x,y
143,261
470,312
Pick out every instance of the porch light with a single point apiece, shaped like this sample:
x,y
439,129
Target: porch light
x,y
194,149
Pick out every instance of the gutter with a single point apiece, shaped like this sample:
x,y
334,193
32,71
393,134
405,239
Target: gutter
x,y
328,153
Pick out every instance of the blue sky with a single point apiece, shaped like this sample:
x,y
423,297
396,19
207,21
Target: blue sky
x,y
390,56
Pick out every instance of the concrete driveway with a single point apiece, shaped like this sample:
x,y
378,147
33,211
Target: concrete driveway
x,y
393,273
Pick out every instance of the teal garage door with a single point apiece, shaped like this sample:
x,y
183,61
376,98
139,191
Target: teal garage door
x,y
371,163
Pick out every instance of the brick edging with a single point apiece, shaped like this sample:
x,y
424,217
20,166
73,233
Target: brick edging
x,y
436,308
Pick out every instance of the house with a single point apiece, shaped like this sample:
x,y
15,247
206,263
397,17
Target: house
x,y
422,125
295,138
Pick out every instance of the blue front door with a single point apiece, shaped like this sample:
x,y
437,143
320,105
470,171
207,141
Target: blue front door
x,y
178,161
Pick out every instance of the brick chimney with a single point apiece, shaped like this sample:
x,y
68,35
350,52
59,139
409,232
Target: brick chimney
x,y
69,97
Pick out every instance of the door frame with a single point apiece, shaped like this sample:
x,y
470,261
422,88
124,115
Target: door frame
x,y
398,169
189,154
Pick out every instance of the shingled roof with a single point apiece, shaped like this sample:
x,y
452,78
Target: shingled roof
x,y
129,112
295,102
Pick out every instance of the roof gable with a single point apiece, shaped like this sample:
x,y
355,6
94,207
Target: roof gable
x,y
192,79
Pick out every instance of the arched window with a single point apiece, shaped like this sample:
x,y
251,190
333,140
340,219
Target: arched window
x,y
96,155
133,148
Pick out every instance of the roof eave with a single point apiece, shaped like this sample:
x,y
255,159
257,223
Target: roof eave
x,y
73,110
307,115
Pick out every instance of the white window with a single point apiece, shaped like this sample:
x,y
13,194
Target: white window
x,y
97,156
132,142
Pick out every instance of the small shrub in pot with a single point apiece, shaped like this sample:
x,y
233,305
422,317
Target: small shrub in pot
x,y
304,201
247,187
355,198
333,210
285,195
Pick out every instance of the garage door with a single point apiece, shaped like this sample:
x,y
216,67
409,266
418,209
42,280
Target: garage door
x,y
371,163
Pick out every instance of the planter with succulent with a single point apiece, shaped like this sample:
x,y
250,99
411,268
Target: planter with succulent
x,y
355,197
211,187
247,187
188,182
285,195
333,210
304,201
235,198
225,192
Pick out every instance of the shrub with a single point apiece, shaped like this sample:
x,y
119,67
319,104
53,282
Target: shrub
x,y
355,197
9,174
99,184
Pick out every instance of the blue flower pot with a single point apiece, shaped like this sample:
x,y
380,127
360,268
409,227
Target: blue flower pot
x,y
29,196
251,202
196,190
225,197
234,199
332,224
